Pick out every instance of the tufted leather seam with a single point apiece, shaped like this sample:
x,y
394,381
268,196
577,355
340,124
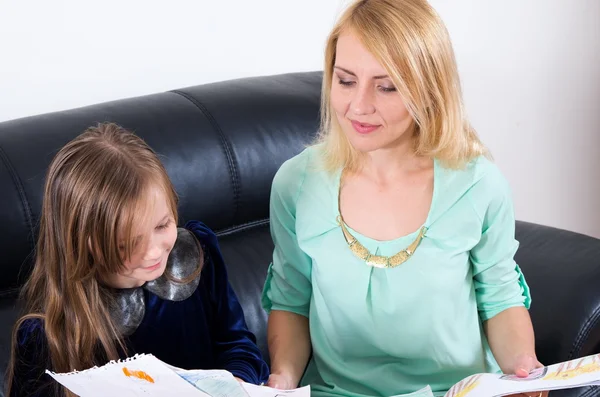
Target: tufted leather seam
x,y
589,325
592,391
233,173
243,227
21,192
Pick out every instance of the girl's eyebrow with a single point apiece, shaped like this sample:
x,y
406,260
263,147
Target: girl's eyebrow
x,y
139,237
164,218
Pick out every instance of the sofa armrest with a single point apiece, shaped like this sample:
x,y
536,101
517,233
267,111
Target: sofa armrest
x,y
562,269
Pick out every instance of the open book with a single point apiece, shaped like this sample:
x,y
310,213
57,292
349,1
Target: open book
x,y
575,373
145,375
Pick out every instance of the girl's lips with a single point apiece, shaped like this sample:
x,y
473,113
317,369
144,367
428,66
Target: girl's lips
x,y
153,267
363,128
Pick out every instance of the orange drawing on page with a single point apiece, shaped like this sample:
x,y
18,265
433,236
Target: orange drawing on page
x,y
137,374
574,368
464,387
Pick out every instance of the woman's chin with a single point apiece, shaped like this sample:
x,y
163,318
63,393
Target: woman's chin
x,y
365,145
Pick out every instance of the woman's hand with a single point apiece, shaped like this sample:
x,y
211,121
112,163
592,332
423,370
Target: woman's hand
x,y
281,382
522,366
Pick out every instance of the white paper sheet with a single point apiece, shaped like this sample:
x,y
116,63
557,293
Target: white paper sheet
x,y
147,376
142,375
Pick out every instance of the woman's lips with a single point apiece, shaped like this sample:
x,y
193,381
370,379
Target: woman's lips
x,y
363,128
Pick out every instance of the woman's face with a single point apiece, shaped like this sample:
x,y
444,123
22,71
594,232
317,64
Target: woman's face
x,y
368,108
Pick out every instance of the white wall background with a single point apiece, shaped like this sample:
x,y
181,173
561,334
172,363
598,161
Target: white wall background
x,y
530,70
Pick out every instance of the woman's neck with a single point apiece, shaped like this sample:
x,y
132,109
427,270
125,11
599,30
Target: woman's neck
x,y
385,165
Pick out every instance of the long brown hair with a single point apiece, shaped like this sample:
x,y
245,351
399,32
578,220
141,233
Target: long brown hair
x,y
408,38
95,187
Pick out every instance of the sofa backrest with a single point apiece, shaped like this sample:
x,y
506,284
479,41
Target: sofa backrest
x,y
221,144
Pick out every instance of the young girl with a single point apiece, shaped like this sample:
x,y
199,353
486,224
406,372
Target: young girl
x,y
114,276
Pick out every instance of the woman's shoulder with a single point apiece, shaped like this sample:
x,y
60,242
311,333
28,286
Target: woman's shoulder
x,y
489,182
295,172
480,174
296,167
480,181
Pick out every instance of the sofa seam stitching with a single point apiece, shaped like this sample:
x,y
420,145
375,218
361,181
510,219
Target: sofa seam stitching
x,y
226,147
26,207
591,391
582,336
243,227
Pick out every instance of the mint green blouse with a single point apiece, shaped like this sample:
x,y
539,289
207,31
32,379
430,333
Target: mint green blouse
x,y
415,328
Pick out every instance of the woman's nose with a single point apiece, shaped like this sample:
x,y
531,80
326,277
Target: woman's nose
x,y
362,102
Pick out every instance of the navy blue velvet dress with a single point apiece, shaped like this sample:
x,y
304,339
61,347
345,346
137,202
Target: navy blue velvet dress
x,y
205,331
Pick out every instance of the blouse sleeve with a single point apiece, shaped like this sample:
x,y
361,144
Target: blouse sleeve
x,y
288,285
499,282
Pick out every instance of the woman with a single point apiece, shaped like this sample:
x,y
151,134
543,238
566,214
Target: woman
x,y
394,235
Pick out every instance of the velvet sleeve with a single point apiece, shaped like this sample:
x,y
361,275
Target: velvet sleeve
x,y
234,345
30,363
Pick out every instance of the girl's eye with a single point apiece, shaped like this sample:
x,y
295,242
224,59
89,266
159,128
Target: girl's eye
x,y
164,225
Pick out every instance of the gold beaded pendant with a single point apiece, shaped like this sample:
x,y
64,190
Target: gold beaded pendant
x,y
380,261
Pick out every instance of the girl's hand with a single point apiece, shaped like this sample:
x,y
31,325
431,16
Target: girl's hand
x,y
281,382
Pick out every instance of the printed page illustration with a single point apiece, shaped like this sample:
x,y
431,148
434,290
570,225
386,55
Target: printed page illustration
x,y
575,373
214,383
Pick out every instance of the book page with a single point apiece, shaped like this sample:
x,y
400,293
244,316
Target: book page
x,y
575,373
147,376
215,383
141,375
263,391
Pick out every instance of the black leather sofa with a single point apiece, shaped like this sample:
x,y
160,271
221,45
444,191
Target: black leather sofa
x,y
221,144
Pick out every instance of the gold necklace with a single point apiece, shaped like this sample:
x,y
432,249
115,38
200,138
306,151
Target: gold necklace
x,y
380,261
363,253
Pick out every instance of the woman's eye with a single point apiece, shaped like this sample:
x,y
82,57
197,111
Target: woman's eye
x,y
387,89
346,83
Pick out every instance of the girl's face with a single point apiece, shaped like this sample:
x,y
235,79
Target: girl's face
x,y
156,236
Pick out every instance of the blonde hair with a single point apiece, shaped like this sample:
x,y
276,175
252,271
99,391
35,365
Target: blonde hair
x,y
410,41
